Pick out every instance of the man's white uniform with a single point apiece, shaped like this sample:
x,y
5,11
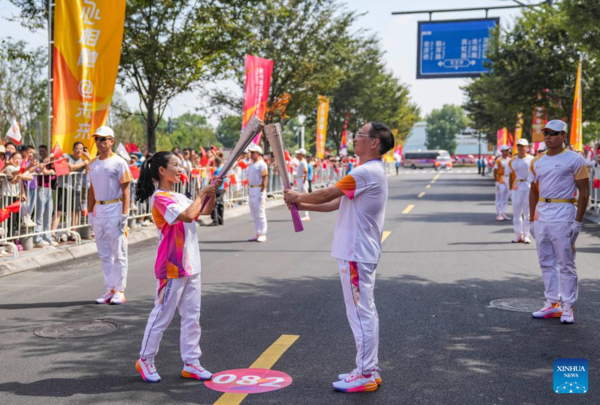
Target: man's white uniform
x,y
106,177
519,171
556,176
502,172
357,246
258,199
301,185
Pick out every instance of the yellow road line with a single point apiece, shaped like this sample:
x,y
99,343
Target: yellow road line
x,y
408,209
422,194
437,176
266,360
385,236
428,186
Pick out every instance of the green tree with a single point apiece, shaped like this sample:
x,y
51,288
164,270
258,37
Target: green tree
x,y
443,125
190,131
229,129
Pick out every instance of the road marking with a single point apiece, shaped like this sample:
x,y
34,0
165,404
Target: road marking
x,y
266,360
437,176
428,186
385,236
422,194
408,209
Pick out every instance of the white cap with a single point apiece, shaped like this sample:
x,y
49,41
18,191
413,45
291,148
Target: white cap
x,y
503,148
255,148
104,131
302,151
523,142
556,125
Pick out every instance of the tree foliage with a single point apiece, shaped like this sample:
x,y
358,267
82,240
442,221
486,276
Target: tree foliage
x,y
443,125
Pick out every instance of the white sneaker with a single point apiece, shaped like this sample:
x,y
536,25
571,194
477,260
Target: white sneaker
x,y
53,243
305,218
376,375
499,218
262,238
506,217
42,244
567,316
118,298
195,371
28,222
147,370
550,310
527,240
356,382
105,299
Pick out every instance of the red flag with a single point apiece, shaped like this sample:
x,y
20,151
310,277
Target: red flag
x,y
226,185
204,160
212,172
196,172
184,177
245,182
24,166
233,179
132,148
57,152
242,164
214,148
287,156
12,208
135,171
61,167
1,164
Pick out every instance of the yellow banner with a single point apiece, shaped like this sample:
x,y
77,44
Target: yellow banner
x,y
88,35
576,119
518,132
322,115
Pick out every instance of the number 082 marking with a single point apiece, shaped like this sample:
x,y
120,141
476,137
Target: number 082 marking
x,y
250,381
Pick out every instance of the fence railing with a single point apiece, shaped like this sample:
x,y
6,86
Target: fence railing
x,y
54,209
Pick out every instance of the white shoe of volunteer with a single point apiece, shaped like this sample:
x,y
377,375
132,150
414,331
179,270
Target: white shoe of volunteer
x,y
567,315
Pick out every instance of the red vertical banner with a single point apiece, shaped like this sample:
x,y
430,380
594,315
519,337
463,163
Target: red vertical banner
x,y
344,148
256,89
577,119
502,137
540,118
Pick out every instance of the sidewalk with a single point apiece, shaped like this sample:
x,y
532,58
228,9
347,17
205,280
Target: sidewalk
x,y
40,257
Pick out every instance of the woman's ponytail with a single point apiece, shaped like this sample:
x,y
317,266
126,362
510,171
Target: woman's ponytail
x,y
149,173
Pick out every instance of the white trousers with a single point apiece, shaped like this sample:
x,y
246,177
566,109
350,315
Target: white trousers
x,y
358,284
182,294
112,249
520,202
557,260
257,201
302,188
501,198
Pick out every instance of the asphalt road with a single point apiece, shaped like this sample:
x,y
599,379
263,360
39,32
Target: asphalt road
x,y
440,341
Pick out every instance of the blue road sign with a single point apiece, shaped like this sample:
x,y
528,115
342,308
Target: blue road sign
x,y
455,48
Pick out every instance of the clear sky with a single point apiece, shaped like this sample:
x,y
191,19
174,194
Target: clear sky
x,y
398,36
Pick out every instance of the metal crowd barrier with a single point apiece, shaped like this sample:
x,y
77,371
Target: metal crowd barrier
x,y
39,220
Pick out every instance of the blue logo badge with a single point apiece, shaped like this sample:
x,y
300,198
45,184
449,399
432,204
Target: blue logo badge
x,y
571,376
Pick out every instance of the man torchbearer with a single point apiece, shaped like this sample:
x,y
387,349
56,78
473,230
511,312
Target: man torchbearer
x,y
257,181
501,171
555,221
519,186
360,197
108,206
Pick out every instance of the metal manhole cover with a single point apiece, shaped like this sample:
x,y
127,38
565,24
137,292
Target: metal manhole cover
x,y
518,304
76,329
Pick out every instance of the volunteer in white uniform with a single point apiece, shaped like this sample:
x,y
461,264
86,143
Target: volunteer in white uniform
x,y
519,171
257,181
360,198
177,267
108,205
301,177
556,222
501,172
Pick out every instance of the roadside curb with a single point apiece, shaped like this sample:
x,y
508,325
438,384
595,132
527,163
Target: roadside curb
x,y
43,258
593,217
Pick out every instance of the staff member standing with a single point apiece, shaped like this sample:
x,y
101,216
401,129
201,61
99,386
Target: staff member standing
x,y
556,222
519,186
360,198
501,171
108,205
257,180
301,177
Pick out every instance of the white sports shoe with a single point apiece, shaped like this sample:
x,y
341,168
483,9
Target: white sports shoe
x,y
527,240
105,299
195,371
261,238
305,218
550,310
506,217
376,375
42,244
356,382
118,298
567,315
500,218
147,370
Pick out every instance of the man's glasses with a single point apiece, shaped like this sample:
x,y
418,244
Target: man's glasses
x,y
552,133
101,138
361,135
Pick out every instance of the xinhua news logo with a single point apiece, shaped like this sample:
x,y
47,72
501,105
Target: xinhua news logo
x,y
571,376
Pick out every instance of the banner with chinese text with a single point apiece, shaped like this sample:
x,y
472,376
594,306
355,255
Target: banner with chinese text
x,y
256,89
518,132
322,116
502,138
88,35
576,119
